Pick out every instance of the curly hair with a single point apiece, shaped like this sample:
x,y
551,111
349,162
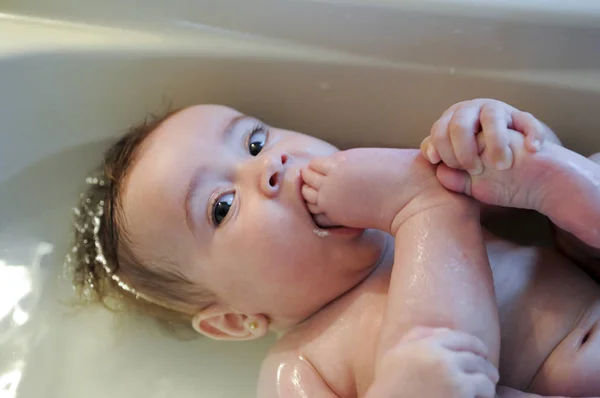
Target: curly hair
x,y
103,265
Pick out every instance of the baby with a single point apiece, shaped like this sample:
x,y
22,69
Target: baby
x,y
210,217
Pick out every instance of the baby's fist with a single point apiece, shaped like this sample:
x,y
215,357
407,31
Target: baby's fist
x,y
435,363
453,138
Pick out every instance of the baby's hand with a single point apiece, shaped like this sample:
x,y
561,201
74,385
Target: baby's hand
x,y
435,363
366,187
453,138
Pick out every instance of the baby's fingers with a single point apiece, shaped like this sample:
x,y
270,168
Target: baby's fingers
x,y
440,138
495,122
482,386
472,363
527,124
429,151
437,146
421,332
464,126
461,341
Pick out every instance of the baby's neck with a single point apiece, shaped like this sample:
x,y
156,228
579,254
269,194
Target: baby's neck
x,y
382,265
386,259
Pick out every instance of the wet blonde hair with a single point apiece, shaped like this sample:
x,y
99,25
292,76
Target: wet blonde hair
x,y
105,269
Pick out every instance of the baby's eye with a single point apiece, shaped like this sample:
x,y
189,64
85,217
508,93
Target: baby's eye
x,y
256,140
221,208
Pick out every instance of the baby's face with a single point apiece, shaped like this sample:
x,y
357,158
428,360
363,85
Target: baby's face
x,y
215,195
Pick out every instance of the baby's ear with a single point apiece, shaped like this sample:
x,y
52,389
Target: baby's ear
x,y
221,323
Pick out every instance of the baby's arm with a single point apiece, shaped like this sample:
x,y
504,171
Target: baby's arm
x,y
506,171
441,275
425,363
585,255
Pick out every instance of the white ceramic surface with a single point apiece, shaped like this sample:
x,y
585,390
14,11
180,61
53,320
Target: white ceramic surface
x,y
74,74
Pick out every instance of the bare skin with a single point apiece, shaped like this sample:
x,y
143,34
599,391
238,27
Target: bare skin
x,y
418,206
412,207
218,195
454,360
428,268
549,309
565,187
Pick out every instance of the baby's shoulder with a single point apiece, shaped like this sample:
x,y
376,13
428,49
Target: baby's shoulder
x,y
287,371
317,353
322,351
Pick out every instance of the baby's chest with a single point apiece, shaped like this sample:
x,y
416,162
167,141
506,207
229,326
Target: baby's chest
x,y
345,350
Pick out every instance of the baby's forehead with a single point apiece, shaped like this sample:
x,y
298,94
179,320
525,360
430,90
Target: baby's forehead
x,y
189,125
204,115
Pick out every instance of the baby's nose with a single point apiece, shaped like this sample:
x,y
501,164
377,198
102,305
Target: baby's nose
x,y
272,178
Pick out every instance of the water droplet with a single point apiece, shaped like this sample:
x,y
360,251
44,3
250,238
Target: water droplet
x,y
321,233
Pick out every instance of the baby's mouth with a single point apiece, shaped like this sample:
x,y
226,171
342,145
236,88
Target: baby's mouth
x,y
321,221
322,224
325,228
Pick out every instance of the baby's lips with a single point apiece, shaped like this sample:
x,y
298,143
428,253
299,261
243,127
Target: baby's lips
x,y
323,222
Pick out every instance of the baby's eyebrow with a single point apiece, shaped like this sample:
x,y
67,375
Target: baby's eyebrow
x,y
230,128
196,180
189,196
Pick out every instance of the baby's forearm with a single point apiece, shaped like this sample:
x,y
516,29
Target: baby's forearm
x,y
441,275
576,206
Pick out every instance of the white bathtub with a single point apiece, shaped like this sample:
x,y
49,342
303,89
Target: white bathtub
x,y
73,75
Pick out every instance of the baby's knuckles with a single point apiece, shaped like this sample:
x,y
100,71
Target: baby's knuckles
x,y
439,363
428,361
